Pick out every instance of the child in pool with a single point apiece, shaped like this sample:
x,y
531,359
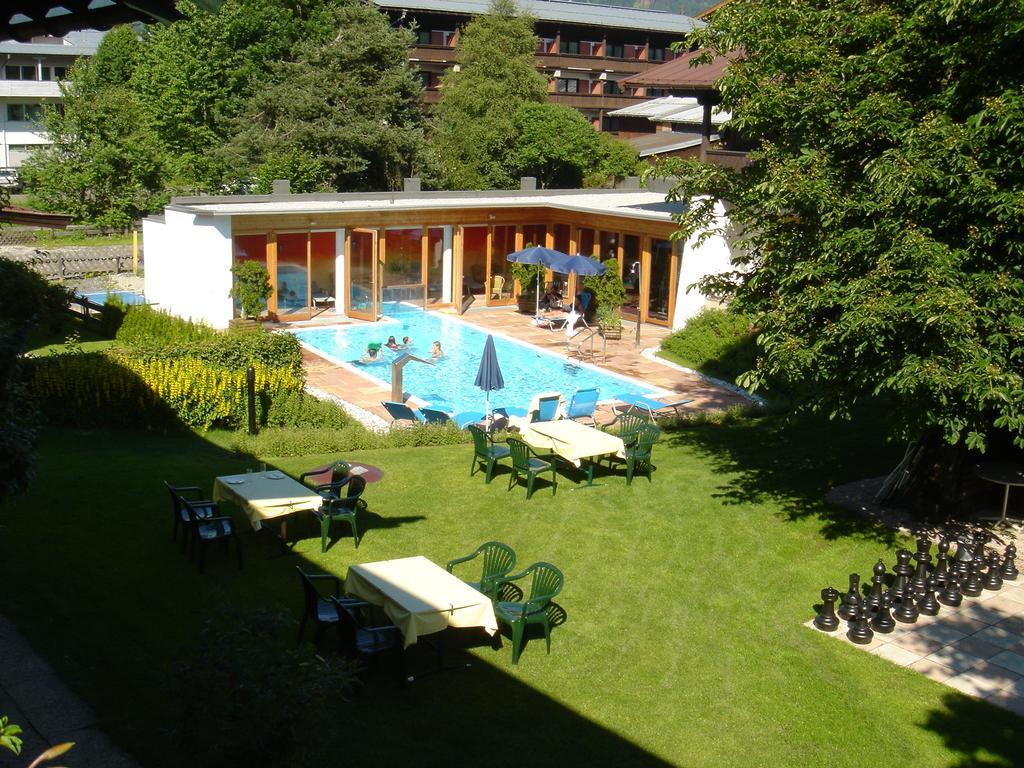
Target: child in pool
x,y
406,342
392,344
435,351
372,354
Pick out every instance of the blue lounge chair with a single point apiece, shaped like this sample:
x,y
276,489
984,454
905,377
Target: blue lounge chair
x,y
465,418
402,412
583,405
435,416
648,405
547,409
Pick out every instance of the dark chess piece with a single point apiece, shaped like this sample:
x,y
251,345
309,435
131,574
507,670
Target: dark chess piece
x,y
883,621
927,605
923,560
1009,570
852,601
859,632
981,540
941,571
826,619
903,570
906,609
971,586
874,598
950,594
993,581
964,556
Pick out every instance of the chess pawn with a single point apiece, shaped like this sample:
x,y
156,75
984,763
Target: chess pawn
x,y
906,610
981,540
859,632
826,619
874,598
1009,570
852,601
971,587
927,605
993,581
920,580
950,594
883,621
941,572
902,569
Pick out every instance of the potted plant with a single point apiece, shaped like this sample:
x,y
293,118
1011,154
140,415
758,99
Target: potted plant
x,y
251,289
610,294
527,275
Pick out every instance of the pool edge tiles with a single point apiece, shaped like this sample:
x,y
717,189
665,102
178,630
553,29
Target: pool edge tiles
x,y
562,369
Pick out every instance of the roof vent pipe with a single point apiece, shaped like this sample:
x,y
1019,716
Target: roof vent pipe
x,y
411,184
528,184
281,187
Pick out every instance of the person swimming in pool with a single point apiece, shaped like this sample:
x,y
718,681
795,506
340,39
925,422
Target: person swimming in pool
x,y
392,344
435,351
406,342
372,354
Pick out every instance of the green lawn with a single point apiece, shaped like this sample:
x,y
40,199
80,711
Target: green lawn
x,y
686,597
45,340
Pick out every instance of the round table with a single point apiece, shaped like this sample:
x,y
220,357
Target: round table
x,y
1005,473
368,472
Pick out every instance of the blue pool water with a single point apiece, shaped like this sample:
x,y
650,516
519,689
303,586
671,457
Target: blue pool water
x,y
125,297
526,369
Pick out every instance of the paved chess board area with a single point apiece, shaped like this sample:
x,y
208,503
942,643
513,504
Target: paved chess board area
x,y
976,648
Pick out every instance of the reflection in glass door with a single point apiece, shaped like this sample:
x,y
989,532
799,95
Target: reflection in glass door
x,y
503,242
631,275
660,285
292,277
361,275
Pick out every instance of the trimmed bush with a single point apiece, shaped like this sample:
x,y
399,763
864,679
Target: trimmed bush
x,y
717,342
297,409
144,325
355,437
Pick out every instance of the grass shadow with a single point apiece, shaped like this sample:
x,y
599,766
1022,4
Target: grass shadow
x,y
1000,744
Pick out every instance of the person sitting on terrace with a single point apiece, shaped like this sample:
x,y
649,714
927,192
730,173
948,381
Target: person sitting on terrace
x,y
552,298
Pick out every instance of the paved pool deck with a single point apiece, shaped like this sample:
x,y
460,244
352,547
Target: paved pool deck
x,y
619,356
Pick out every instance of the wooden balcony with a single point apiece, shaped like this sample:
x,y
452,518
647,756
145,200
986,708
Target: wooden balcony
x,y
595,101
440,54
591,63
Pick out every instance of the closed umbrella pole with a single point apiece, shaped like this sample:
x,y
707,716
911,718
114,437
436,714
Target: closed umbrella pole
x,y
488,376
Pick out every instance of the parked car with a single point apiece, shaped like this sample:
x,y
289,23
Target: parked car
x,y
10,180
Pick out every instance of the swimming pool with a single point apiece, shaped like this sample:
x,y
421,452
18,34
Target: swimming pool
x,y
125,297
526,369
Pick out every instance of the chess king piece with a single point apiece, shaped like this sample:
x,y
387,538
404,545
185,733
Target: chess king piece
x,y
927,605
859,632
826,619
950,594
874,598
883,621
923,560
906,609
1009,570
941,571
971,587
993,580
852,601
902,569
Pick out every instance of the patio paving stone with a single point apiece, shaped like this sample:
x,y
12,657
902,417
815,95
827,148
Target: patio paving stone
x,y
959,661
983,679
977,647
1001,637
984,612
1009,660
1013,624
933,669
941,633
919,644
1006,606
896,655
1016,594
1007,700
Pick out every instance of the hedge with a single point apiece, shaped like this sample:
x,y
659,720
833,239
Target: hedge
x,y
355,437
717,342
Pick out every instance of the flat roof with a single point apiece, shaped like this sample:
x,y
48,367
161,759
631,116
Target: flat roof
x,y
672,109
583,14
665,141
82,43
636,204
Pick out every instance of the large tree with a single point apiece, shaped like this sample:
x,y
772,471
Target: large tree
x,y
104,163
344,113
882,219
473,125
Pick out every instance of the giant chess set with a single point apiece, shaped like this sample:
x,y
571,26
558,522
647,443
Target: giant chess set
x,y
924,588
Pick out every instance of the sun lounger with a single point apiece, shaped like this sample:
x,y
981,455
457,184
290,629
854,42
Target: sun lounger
x,y
650,406
402,412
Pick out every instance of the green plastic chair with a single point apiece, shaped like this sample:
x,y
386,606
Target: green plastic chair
x,y
526,464
638,453
485,450
498,561
547,582
630,424
342,507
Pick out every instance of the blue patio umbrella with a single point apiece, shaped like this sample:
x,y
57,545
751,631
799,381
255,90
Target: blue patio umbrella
x,y
538,254
488,376
579,265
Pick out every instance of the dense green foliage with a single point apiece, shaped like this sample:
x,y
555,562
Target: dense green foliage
x,y
657,665
527,275
609,292
474,120
718,342
105,164
29,301
144,324
882,221
343,112
251,287
310,437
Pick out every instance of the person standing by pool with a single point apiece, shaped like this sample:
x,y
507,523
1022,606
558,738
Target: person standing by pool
x,y
435,351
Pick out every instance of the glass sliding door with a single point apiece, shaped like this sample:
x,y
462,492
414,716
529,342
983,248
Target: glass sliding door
x,y
661,282
474,263
503,242
362,284
249,248
403,269
292,277
322,255
435,265
631,262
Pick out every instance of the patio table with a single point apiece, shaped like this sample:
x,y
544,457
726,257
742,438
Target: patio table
x,y
265,495
420,597
574,442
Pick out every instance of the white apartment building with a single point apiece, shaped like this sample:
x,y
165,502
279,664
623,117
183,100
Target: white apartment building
x,y
30,74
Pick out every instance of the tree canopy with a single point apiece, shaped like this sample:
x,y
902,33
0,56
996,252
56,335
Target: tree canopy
x,y
473,125
881,223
